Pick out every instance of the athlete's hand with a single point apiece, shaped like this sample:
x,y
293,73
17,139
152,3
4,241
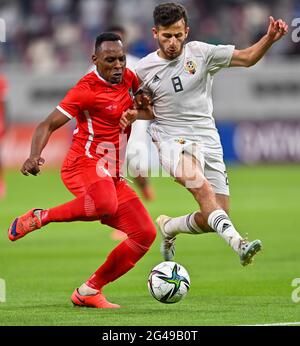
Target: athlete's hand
x,y
142,101
128,117
32,166
277,29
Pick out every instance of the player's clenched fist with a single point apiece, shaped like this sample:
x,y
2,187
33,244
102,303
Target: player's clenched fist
x,y
127,118
277,29
32,165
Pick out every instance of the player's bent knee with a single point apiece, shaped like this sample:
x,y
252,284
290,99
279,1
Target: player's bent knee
x,y
196,182
141,242
204,189
150,235
146,234
193,182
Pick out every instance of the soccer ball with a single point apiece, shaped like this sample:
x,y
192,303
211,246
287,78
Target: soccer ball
x,y
168,282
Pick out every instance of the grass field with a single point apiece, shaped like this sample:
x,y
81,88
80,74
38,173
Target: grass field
x,y
42,270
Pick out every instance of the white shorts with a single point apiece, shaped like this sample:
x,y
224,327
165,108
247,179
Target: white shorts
x,y
211,161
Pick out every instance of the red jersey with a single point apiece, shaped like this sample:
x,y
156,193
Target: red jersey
x,y
97,106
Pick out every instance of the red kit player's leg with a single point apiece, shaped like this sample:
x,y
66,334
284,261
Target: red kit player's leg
x,y
133,219
99,201
96,198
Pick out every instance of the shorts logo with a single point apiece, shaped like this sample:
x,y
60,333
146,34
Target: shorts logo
x,y
190,66
180,140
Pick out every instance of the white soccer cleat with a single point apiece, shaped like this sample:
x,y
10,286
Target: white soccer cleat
x,y
247,250
167,247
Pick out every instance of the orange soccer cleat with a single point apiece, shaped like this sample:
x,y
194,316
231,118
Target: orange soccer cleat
x,y
24,224
92,301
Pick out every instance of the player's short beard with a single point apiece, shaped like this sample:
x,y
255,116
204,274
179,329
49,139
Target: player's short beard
x,y
166,54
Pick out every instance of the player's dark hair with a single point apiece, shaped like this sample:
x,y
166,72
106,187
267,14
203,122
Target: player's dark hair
x,y
169,13
106,36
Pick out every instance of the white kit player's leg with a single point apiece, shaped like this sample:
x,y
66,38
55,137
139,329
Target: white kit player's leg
x,y
212,217
138,158
170,227
167,246
186,224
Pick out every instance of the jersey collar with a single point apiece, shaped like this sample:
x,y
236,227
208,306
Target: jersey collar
x,y
105,81
102,79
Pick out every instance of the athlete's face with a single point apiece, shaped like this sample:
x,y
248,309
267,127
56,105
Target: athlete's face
x,y
171,39
110,61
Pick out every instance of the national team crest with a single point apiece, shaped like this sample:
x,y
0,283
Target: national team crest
x,y
190,66
180,140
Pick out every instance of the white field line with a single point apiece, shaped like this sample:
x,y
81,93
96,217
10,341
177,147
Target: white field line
x,y
272,324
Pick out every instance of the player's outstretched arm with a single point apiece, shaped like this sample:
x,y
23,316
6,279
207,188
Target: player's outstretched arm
x,y
39,140
250,56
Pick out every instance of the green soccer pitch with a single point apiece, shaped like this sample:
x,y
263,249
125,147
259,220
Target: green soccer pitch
x,y
42,270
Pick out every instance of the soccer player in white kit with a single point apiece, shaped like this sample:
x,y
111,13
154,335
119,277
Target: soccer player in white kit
x,y
178,77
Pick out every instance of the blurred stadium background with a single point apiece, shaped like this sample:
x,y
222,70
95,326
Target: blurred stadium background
x,y
49,44
47,48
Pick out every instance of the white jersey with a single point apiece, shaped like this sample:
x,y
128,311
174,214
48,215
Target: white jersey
x,y
181,90
131,61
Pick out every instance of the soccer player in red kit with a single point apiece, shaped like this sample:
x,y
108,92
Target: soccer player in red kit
x,y
91,170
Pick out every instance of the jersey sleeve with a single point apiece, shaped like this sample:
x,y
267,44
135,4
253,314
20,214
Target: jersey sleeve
x,y
75,101
216,56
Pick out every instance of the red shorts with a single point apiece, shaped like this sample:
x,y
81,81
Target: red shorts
x,y
80,172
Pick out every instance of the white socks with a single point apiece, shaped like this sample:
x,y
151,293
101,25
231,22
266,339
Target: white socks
x,y
85,290
219,221
182,224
